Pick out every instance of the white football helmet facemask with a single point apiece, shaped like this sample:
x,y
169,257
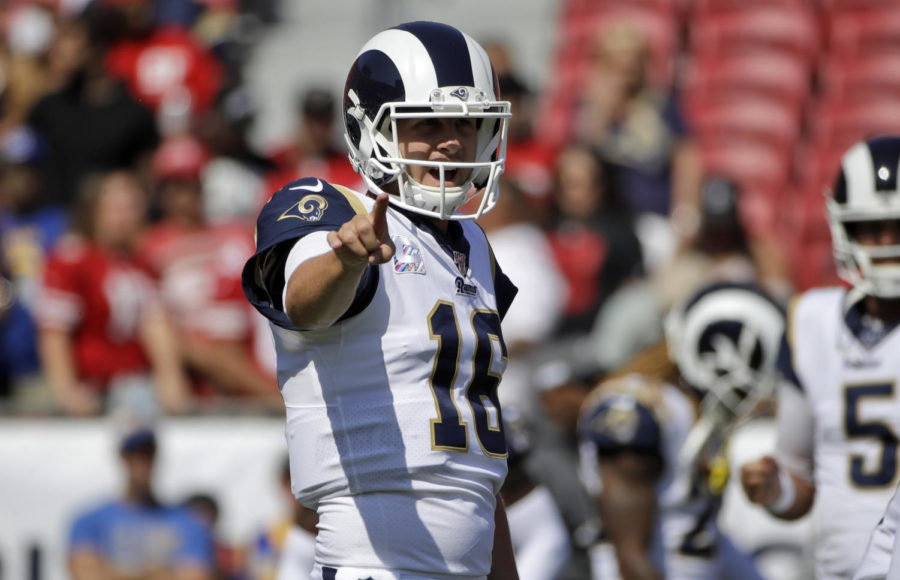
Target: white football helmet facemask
x,y
866,190
417,70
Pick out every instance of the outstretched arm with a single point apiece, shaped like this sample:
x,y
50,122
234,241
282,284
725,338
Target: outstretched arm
x,y
322,288
785,486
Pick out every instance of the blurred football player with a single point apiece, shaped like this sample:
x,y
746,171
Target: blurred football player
x,y
652,443
385,307
838,415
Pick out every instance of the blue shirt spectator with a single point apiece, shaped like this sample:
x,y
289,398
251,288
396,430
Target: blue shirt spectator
x,y
28,231
136,536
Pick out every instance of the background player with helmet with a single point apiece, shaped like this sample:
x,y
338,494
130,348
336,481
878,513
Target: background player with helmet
x,y
838,412
385,308
653,441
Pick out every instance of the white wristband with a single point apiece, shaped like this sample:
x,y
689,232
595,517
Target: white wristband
x,y
788,493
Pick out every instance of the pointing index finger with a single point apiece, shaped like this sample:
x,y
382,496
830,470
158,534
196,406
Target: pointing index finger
x,y
378,215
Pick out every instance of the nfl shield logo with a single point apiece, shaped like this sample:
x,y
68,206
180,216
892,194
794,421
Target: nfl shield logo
x,y
462,263
408,257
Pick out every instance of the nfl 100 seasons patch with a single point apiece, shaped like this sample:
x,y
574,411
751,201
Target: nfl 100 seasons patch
x,y
408,258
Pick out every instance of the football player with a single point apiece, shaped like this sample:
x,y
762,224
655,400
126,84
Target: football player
x,y
652,443
385,307
838,414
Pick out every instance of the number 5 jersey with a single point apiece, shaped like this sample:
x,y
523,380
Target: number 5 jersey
x,y
838,417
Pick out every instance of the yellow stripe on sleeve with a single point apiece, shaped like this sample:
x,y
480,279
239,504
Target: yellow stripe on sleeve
x,y
352,198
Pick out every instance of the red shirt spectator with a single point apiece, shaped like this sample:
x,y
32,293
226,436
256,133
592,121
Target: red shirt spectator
x,y
198,266
100,325
165,64
199,270
99,297
312,152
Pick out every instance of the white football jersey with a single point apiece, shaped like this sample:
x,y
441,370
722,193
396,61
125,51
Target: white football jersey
x,y
851,394
640,415
393,422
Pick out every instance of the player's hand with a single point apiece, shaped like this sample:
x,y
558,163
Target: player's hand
x,y
365,238
760,481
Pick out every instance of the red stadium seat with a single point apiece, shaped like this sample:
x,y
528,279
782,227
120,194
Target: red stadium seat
x,y
839,125
817,167
865,33
810,251
776,76
835,6
762,174
707,7
763,121
859,80
792,30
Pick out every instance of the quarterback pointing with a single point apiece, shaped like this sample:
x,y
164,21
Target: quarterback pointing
x,y
838,410
385,308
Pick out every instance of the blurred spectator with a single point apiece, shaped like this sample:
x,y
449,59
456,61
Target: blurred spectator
x,y
528,161
721,251
539,535
227,560
101,326
227,33
28,231
233,176
528,260
198,267
165,67
639,128
27,32
313,152
286,550
91,123
136,536
592,235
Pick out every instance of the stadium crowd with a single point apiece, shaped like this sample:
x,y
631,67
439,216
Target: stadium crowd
x,y
674,144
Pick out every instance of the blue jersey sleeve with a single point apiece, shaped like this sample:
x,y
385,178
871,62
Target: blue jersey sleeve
x,y
196,545
87,532
504,289
785,361
296,210
621,423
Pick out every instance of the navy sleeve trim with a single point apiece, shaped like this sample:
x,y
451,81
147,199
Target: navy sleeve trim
x,y
504,289
785,361
365,291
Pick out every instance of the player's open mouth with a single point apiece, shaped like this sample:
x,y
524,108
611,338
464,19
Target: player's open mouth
x,y
449,174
